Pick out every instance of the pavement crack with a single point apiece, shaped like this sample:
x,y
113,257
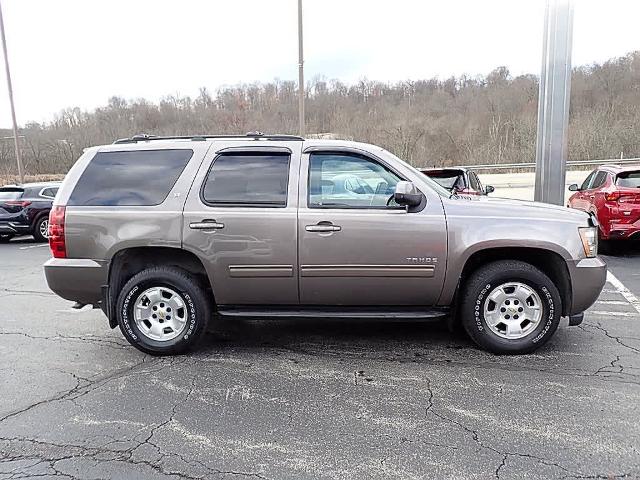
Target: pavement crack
x,y
79,389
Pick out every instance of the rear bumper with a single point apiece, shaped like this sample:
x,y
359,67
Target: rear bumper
x,y
13,228
78,280
588,277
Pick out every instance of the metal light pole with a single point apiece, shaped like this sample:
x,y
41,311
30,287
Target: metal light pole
x,y
300,72
553,102
10,89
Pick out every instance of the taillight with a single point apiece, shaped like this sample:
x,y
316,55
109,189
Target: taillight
x,y
17,203
612,196
56,232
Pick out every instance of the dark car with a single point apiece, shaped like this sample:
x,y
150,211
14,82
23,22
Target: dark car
x,y
458,180
24,210
612,193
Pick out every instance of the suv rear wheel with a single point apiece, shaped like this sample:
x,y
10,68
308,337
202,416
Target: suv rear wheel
x,y
41,229
510,307
5,238
163,311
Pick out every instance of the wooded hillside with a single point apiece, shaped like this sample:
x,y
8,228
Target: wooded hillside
x,y
464,120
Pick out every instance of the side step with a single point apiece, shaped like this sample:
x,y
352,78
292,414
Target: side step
x,y
388,313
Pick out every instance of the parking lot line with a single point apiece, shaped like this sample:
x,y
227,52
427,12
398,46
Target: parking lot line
x,y
613,314
624,291
612,302
34,246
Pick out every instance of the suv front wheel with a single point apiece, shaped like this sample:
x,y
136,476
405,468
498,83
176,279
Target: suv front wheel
x,y
510,307
163,311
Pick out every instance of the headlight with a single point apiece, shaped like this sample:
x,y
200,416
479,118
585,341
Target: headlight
x,y
589,237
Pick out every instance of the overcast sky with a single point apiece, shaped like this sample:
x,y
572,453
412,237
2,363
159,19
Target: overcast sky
x,y
67,53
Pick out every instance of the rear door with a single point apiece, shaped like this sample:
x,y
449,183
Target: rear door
x,y
356,247
240,219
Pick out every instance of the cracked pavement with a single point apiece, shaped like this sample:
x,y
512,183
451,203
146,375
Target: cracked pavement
x,y
311,399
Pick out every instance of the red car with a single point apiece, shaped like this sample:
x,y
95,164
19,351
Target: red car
x,y
612,193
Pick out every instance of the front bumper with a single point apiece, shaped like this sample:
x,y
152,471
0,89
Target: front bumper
x,y
588,277
78,280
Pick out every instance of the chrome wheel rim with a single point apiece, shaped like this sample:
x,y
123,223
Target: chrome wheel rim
x,y
160,314
512,310
44,228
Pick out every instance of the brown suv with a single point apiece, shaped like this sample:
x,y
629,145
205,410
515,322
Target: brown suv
x,y
163,233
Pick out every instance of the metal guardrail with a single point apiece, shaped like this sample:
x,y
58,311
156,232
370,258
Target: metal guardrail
x,y
574,163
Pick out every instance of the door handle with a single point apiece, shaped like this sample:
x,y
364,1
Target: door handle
x,y
206,225
323,227
592,197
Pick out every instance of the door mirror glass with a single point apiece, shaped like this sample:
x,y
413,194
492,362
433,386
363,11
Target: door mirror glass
x,y
574,187
489,189
407,194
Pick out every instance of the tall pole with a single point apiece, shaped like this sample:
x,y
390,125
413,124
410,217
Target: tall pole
x,y
300,72
553,102
10,89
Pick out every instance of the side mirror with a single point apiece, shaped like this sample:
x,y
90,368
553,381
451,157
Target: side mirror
x,y
407,194
489,189
574,187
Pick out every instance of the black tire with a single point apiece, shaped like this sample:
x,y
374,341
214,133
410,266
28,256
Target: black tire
x,y
197,309
5,238
40,224
475,296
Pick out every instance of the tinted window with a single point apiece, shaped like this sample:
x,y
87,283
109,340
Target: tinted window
x,y
248,179
629,179
10,193
587,181
349,181
139,177
599,180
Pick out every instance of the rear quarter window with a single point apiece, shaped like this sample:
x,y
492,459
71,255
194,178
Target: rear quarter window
x,y
130,178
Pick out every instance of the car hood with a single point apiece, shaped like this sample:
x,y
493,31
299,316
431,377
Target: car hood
x,y
508,208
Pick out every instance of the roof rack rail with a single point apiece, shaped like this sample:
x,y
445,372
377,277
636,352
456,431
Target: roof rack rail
x,y
144,137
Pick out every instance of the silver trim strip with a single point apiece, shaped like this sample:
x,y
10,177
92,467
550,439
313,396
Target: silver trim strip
x,y
424,271
252,271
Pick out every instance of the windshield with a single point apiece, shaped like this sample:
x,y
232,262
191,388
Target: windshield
x,y
629,180
447,178
434,185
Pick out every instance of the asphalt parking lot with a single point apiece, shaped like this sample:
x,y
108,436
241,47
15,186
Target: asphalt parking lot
x,y
313,399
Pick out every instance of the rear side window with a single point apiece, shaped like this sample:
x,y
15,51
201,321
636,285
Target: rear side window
x,y
134,178
601,177
49,192
10,193
629,180
248,179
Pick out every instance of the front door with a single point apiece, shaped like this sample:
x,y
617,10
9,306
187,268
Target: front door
x,y
356,247
240,219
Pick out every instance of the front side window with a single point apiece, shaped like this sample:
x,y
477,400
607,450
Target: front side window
x,y
129,178
341,180
587,181
474,183
241,179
